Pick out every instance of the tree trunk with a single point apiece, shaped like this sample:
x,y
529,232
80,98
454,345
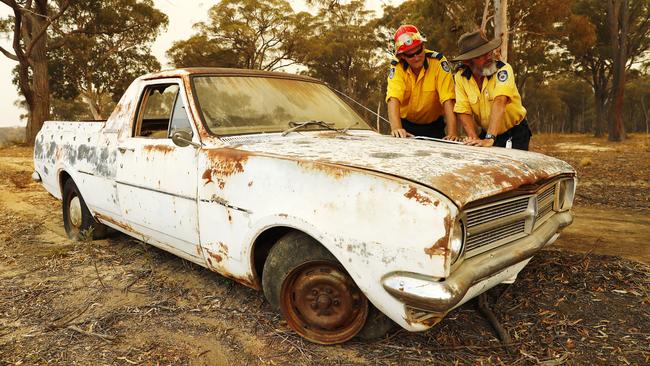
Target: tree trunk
x,y
599,125
645,114
501,26
618,24
29,44
40,107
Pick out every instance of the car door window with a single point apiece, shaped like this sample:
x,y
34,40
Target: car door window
x,y
156,111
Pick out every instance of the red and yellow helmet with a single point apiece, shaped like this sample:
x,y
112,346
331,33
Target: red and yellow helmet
x,y
407,38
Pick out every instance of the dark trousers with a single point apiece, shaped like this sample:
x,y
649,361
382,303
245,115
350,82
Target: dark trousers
x,y
520,135
435,129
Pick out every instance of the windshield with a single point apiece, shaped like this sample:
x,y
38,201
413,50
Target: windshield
x,y
244,104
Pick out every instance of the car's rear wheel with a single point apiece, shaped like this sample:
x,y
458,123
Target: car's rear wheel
x,y
316,296
77,220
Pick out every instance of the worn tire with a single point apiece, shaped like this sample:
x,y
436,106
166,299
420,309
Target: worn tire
x,y
77,219
317,297
377,325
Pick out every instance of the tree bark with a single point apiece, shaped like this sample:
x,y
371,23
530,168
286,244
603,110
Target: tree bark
x,y
645,114
618,25
501,26
599,129
39,109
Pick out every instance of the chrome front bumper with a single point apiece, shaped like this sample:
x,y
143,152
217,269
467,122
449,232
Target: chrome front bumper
x,y
426,293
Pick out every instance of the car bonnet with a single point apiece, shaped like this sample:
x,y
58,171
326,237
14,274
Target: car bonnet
x,y
462,173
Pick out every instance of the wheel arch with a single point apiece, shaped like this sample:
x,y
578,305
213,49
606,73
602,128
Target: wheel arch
x,y
262,245
63,177
268,238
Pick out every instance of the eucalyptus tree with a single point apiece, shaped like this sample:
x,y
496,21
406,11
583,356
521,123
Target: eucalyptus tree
x,y
597,49
81,47
252,34
98,48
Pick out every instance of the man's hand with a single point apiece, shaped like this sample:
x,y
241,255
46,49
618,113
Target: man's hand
x,y
452,138
479,142
400,132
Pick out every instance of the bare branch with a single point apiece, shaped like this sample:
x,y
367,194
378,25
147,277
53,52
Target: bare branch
x,y
10,3
17,29
486,18
9,55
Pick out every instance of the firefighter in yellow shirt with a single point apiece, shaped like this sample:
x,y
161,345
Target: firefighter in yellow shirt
x,y
420,89
486,94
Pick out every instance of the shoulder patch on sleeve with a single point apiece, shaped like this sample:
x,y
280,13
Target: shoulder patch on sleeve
x,y
502,75
391,73
445,66
439,55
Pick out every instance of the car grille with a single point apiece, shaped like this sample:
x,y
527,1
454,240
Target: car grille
x,y
499,223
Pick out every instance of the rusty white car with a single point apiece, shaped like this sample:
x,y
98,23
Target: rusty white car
x,y
272,180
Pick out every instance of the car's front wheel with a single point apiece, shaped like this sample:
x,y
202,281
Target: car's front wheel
x,y
78,222
316,296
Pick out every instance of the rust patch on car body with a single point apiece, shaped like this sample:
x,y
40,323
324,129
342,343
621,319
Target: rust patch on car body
x,y
122,225
223,248
207,176
215,256
441,246
475,180
158,148
413,194
333,170
227,161
248,280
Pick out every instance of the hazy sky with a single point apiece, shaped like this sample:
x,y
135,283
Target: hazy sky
x,y
181,18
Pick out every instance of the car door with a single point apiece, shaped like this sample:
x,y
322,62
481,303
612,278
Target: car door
x,y
157,180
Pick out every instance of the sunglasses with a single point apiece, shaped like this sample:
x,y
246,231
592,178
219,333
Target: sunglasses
x,y
411,55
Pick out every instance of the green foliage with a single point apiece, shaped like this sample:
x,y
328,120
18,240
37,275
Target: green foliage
x,y
86,236
342,51
637,104
6,25
587,39
75,109
435,18
100,47
252,34
199,51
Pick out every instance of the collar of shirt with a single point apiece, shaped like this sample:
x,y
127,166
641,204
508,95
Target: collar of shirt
x,y
467,71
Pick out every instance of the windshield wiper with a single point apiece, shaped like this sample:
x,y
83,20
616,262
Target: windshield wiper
x,y
297,125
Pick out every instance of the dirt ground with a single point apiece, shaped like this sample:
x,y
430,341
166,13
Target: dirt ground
x,y
585,300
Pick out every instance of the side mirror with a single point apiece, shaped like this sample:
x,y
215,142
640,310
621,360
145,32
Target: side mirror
x,y
183,138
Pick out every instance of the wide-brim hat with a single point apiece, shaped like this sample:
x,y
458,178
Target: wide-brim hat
x,y
475,44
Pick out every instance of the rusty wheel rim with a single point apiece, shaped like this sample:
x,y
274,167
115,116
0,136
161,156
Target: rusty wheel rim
x,y
320,302
74,212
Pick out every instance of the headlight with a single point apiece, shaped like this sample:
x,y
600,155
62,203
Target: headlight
x,y
566,193
457,241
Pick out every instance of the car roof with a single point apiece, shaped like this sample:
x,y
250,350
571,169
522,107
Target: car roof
x,y
220,71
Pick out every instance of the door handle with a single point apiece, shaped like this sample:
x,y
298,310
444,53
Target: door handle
x,y
124,149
